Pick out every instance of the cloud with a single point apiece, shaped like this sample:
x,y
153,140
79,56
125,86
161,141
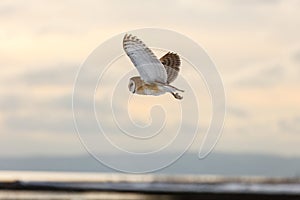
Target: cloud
x,y
44,116
62,74
290,125
39,101
262,137
43,122
10,103
233,111
265,77
256,2
296,56
8,10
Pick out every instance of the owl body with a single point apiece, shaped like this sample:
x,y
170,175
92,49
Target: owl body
x,y
155,74
138,86
151,90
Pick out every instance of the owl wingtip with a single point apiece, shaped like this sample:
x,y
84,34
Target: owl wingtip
x,y
127,36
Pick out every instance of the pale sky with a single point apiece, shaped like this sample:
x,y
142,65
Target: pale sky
x,y
254,44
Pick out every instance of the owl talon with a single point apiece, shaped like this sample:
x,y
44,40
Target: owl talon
x,y
177,96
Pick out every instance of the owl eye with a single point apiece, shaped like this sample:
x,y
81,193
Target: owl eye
x,y
131,87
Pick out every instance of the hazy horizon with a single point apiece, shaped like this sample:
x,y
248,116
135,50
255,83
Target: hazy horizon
x,y
220,164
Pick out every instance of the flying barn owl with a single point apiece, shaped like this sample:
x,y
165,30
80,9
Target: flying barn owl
x,y
155,74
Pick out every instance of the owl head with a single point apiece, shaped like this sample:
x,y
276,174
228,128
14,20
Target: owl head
x,y
134,83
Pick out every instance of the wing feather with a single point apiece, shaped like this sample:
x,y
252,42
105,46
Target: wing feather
x,y
171,62
148,65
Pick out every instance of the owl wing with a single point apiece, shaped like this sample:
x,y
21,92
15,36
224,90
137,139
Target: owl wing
x,y
171,62
149,67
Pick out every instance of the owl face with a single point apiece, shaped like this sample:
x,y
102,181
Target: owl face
x,y
135,83
131,86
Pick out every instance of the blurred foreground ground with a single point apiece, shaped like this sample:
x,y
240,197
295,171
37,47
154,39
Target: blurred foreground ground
x,y
61,185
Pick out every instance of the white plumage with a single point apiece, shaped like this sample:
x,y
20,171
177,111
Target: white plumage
x,y
155,74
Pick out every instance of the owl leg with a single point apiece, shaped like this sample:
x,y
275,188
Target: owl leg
x,y
176,95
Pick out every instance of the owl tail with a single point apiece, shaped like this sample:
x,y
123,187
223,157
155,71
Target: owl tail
x,y
172,89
